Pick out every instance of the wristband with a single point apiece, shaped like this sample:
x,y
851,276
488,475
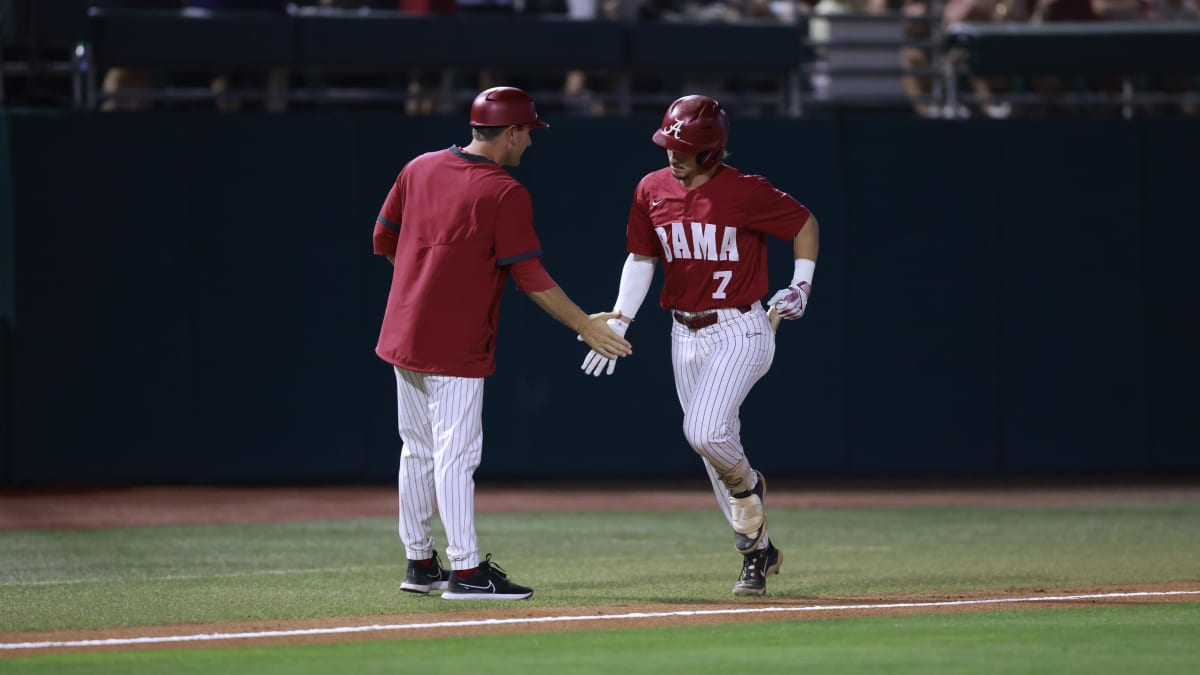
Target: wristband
x,y
804,271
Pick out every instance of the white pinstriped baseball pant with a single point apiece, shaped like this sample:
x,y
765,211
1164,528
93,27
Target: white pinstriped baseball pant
x,y
441,425
715,368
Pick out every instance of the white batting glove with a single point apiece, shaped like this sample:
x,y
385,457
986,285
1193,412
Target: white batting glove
x,y
791,302
594,363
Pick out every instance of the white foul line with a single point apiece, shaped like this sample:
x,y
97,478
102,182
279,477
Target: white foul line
x,y
201,637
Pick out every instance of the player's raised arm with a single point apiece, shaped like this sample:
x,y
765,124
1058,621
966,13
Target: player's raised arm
x,y
636,276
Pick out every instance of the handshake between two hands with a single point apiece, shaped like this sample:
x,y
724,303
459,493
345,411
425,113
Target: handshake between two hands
x,y
595,363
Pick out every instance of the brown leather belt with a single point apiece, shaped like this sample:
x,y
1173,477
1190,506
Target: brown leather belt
x,y
703,320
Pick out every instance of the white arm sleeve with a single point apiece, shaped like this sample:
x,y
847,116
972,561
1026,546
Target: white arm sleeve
x,y
635,284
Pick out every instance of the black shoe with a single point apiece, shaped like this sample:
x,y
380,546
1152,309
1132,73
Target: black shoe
x,y
756,567
747,543
422,579
488,583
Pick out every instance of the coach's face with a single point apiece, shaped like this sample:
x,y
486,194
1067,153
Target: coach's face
x,y
683,165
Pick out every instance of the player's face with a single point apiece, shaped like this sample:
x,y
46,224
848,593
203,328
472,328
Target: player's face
x,y
683,165
519,142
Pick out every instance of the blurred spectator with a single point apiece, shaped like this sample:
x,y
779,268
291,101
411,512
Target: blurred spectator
x,y
726,86
273,83
578,99
709,11
120,84
1063,10
915,56
645,10
728,10
988,11
1083,11
791,11
1174,10
421,87
760,10
1121,10
424,7
1091,10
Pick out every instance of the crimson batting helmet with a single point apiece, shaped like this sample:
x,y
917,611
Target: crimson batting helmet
x,y
695,124
504,106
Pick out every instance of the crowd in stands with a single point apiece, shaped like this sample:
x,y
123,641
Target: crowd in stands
x,y
919,52
985,90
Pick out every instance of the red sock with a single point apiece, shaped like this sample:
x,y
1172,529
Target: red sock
x,y
428,562
463,574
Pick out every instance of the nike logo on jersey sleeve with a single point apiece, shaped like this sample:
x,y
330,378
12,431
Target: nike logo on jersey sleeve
x,y
656,202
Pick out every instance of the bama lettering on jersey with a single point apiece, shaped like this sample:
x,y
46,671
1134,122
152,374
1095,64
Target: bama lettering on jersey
x,y
712,240
702,243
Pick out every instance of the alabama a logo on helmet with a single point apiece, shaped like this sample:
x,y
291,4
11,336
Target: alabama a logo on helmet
x,y
674,129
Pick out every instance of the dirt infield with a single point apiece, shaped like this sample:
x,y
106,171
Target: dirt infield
x,y
67,507
75,507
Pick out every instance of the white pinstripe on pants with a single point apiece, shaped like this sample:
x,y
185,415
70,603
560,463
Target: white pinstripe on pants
x,y
441,425
715,368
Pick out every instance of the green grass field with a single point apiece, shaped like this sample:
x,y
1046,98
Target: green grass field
x,y
51,580
1149,640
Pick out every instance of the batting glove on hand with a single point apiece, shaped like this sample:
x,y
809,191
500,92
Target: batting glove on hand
x,y
791,302
593,363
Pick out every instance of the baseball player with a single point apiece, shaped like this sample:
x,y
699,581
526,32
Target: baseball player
x,y
455,225
708,223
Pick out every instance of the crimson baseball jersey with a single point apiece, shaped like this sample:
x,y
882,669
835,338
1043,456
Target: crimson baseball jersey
x,y
711,239
454,223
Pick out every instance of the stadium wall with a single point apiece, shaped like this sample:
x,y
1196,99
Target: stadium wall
x,y
199,302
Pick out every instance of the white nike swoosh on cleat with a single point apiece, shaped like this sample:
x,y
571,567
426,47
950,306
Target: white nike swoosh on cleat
x,y
491,587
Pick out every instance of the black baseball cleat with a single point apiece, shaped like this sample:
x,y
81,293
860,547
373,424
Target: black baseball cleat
x,y
747,543
422,579
756,567
489,582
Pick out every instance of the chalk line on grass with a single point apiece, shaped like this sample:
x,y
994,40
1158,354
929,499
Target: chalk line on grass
x,y
334,630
